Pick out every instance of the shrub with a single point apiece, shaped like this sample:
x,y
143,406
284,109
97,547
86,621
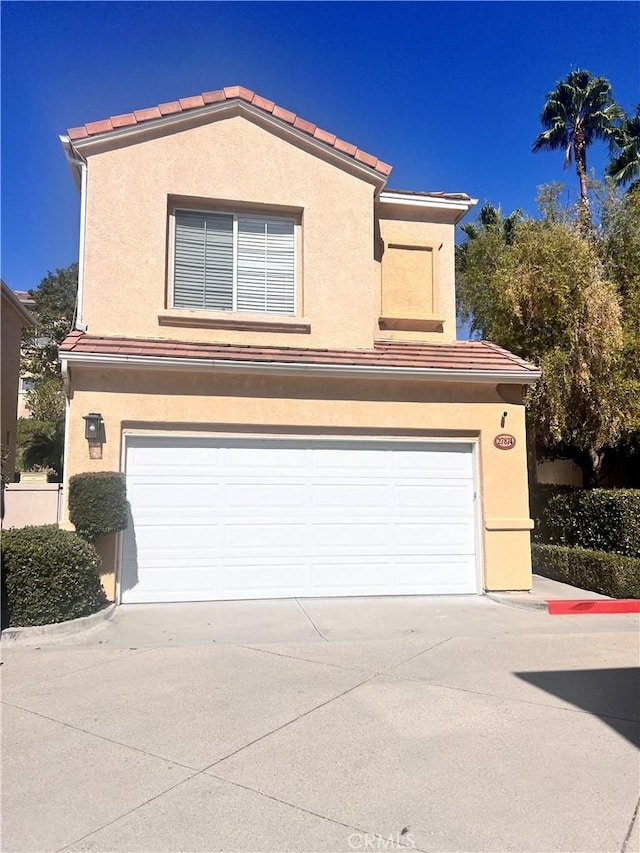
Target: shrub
x,y
98,503
51,575
539,497
600,519
609,574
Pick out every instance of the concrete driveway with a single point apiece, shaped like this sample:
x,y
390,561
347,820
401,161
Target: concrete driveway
x,y
438,724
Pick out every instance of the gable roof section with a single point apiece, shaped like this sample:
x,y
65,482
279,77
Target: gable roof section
x,y
458,361
12,299
229,94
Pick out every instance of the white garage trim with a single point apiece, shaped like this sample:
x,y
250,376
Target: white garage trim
x,y
334,450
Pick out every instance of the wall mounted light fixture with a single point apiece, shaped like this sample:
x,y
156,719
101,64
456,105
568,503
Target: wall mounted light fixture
x,y
93,426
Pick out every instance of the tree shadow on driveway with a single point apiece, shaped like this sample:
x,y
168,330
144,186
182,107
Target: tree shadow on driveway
x,y
611,694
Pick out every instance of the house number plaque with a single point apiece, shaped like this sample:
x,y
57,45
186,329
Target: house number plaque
x,y
505,441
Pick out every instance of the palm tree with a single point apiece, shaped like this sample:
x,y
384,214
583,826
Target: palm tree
x,y
625,142
490,217
578,111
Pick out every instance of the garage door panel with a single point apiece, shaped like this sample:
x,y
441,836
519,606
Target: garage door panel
x,y
178,537
331,462
447,463
447,574
265,495
370,576
440,499
265,536
341,494
457,536
343,533
255,580
263,456
260,518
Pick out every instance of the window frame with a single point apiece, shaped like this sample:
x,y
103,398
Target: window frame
x,y
235,214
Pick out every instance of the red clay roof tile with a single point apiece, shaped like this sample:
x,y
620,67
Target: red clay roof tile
x,y
191,103
459,355
284,115
148,114
103,126
124,120
324,136
227,94
263,103
169,108
77,132
307,126
345,147
214,96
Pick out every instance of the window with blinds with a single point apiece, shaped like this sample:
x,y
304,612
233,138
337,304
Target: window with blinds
x,y
227,262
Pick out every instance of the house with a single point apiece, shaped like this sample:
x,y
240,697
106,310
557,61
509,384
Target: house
x,y
14,319
25,382
266,345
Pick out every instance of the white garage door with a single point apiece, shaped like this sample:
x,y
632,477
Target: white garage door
x,y
265,518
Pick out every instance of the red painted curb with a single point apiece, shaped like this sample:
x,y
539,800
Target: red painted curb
x,y
578,606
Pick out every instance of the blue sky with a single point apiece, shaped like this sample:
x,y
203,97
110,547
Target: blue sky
x,y
448,93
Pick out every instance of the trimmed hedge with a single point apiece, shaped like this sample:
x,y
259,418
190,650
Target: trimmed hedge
x,y
599,519
50,575
97,503
609,574
539,496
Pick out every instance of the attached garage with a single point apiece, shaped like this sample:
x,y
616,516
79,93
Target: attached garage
x,y
247,518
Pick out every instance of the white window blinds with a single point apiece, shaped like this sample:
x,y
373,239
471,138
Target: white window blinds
x,y
203,270
234,263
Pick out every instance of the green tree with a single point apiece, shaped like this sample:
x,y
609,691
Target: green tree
x,y
45,401
578,111
40,438
625,151
54,302
547,296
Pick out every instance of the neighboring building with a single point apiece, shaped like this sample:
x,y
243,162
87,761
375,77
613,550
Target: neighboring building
x,y
25,383
14,319
268,334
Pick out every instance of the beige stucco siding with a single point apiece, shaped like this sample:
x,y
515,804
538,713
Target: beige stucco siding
x,y
12,324
421,230
158,401
230,160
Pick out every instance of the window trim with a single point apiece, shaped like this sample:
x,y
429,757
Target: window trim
x,y
236,215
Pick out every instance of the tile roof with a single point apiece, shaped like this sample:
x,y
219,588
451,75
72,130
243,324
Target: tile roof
x,y
229,93
459,355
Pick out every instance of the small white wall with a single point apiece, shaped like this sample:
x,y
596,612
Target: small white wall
x,y
32,503
559,472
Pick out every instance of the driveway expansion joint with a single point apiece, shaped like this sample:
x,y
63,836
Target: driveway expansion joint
x,y
100,737
303,660
290,722
634,818
313,624
502,698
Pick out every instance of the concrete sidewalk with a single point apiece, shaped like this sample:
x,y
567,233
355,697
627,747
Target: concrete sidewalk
x,y
336,725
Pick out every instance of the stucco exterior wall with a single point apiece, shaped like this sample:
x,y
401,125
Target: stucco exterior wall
x,y
229,163
11,330
236,163
206,403
404,226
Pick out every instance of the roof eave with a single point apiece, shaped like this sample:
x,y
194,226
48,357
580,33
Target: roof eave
x,y
458,206
510,377
26,316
